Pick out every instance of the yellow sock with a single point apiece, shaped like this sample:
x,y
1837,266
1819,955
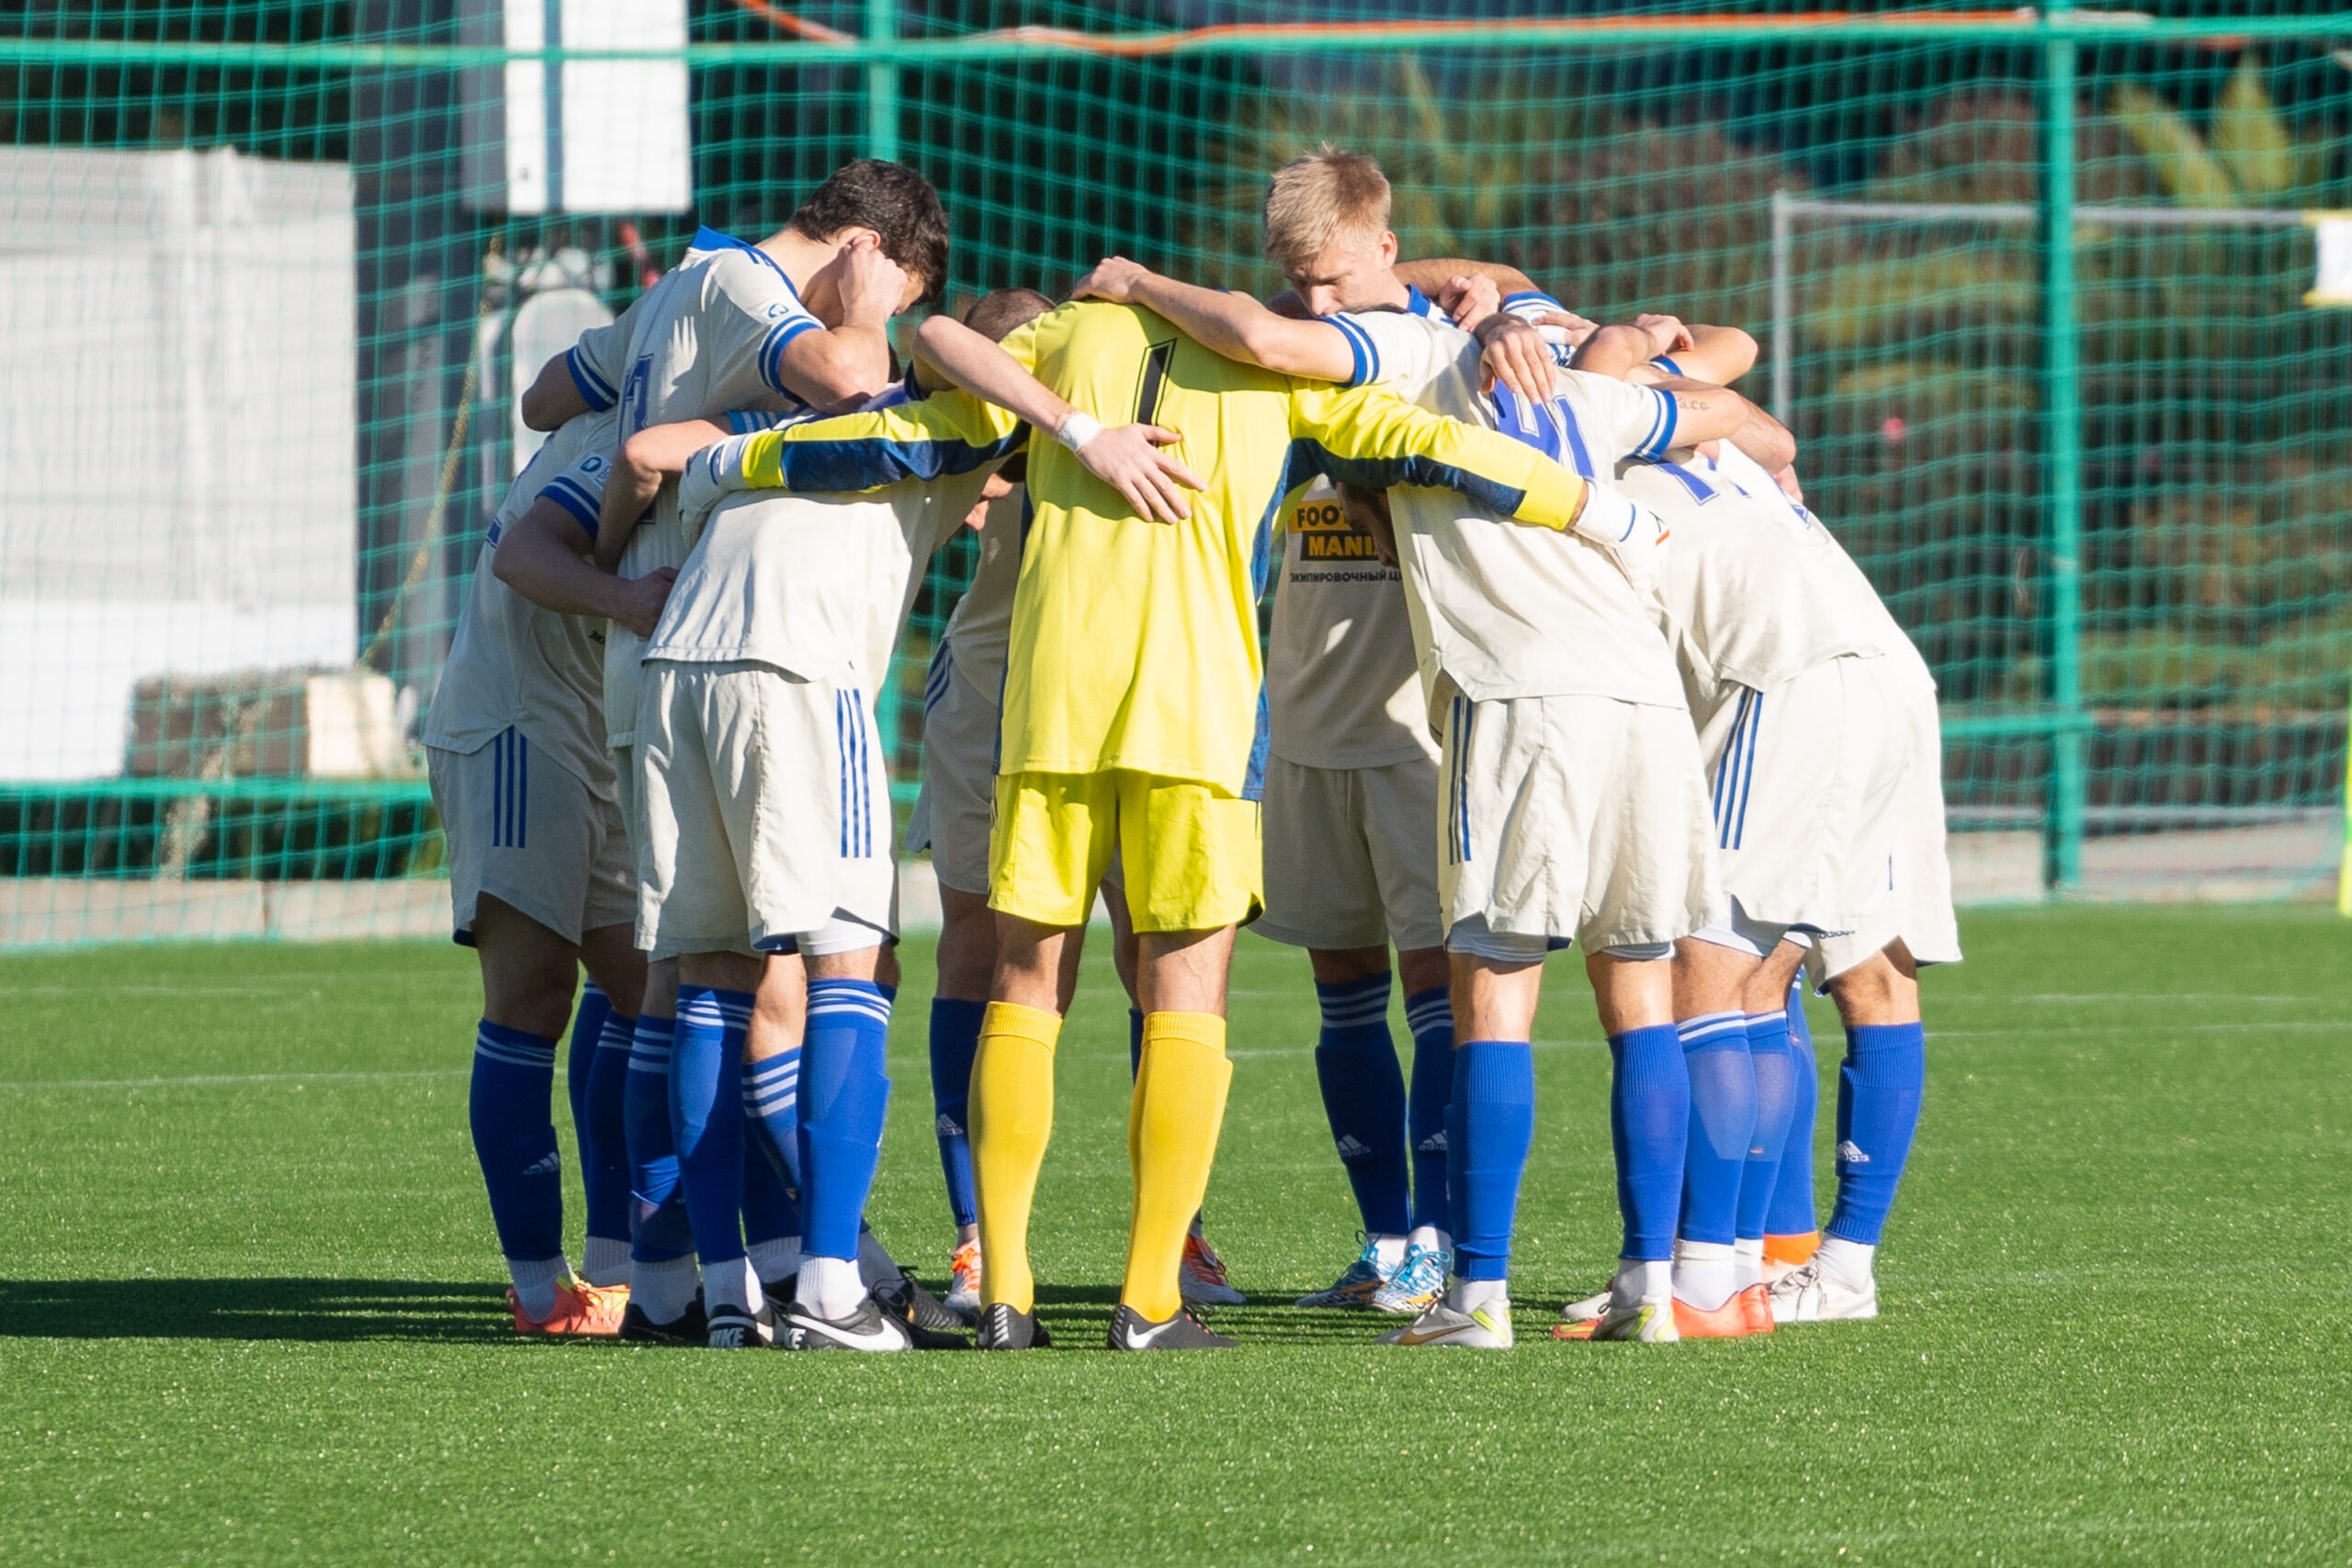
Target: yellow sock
x,y
1012,1116
1172,1128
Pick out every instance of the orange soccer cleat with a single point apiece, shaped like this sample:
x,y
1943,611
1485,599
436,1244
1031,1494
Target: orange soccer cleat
x,y
1747,1312
580,1308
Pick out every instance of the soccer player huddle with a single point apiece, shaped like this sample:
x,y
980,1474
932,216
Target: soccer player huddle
x,y
1558,656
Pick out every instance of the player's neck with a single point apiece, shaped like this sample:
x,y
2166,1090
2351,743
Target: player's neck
x,y
802,259
1389,291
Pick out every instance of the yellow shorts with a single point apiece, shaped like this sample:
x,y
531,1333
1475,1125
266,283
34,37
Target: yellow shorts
x,y
1191,852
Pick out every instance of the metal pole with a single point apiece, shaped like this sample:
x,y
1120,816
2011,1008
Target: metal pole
x,y
2062,498
882,83
1782,219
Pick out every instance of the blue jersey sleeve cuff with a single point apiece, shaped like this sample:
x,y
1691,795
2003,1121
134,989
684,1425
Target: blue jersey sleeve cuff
x,y
594,389
1532,303
574,500
1663,419
1669,365
1367,358
772,352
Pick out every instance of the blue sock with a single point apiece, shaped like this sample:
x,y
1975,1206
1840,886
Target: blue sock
x,y
770,1207
1429,1015
706,1117
604,1143
1364,1099
772,1105
844,1097
1649,1118
1134,1044
1489,1127
1791,1211
515,1139
1776,1103
578,1066
1721,1125
954,1041
657,1214
1878,1110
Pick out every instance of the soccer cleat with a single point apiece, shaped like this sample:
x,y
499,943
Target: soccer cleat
x,y
872,1327
1590,1308
689,1328
1130,1330
1202,1279
907,1301
1004,1326
1486,1327
1649,1321
1357,1286
1736,1319
580,1308
1811,1294
1417,1284
964,1283
732,1328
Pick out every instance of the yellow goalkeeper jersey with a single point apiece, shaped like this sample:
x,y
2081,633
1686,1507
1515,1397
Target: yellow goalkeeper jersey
x,y
1134,644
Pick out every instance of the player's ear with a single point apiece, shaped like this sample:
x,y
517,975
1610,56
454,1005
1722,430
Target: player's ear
x,y
1387,248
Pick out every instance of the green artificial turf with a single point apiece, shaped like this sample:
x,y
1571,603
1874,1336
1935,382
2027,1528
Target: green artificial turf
x,y
251,1303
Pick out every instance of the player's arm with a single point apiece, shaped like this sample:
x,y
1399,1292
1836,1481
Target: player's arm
x,y
838,367
652,454
1372,438
1431,275
556,396
1126,458
542,557
1717,355
1759,435
1235,325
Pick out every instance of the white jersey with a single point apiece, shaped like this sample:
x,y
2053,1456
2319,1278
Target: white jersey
x,y
706,339
981,630
1342,689
816,586
513,664
1500,610
1756,588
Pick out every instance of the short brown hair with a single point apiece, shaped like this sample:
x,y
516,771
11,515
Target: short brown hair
x,y
995,315
896,203
1326,195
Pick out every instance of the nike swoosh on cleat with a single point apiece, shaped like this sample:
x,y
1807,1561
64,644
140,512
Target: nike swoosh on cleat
x,y
1142,1341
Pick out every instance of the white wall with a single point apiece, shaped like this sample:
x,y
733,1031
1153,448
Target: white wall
x,y
177,409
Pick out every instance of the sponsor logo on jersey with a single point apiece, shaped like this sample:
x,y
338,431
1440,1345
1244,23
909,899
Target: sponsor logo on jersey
x,y
1325,533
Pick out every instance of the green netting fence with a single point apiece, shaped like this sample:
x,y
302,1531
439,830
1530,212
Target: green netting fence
x,y
2058,304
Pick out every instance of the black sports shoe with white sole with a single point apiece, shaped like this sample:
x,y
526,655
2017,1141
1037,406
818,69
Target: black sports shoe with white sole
x,y
1130,1330
689,1328
917,1308
1006,1328
732,1328
867,1328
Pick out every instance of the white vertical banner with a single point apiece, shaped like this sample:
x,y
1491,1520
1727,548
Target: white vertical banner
x,y
593,136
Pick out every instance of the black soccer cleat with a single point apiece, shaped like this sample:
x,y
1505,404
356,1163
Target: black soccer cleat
x,y
732,1328
689,1328
1130,1330
907,1301
1004,1326
868,1328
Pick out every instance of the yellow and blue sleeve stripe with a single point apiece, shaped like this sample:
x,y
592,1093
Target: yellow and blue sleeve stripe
x,y
947,434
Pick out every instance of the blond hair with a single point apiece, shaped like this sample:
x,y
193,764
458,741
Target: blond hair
x,y
1326,195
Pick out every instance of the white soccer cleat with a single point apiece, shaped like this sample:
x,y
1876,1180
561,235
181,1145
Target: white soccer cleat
x,y
964,1283
1202,1279
1487,1327
1590,1307
1812,1294
1643,1320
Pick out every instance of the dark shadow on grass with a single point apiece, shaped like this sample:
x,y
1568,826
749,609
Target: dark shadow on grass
x,y
253,1309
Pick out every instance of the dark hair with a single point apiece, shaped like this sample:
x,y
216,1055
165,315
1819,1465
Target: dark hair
x,y
896,203
995,315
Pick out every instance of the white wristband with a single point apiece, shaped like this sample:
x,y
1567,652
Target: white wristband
x,y
1078,429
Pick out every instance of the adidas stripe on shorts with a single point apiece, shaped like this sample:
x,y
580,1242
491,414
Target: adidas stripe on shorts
x,y
529,832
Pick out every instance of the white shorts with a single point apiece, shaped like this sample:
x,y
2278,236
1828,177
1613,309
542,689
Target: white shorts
x,y
1805,784
529,833
1350,861
1917,908
767,814
958,796
1572,817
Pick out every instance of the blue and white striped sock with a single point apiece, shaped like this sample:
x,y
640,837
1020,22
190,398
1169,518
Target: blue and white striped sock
x,y
603,1158
771,1186
1429,1015
707,1119
1649,1127
1364,1099
844,1097
1722,1125
509,1110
